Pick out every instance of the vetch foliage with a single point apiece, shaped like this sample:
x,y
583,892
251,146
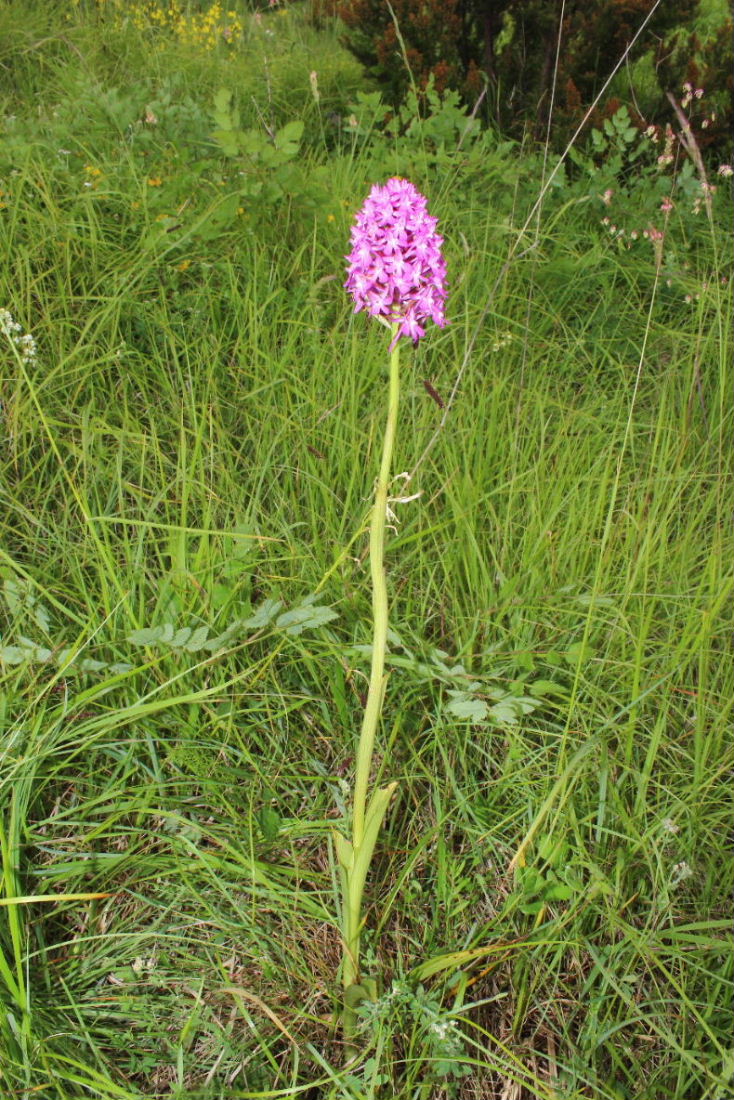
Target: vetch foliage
x,y
23,604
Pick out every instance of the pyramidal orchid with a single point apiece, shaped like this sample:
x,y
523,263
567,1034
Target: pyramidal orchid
x,y
397,273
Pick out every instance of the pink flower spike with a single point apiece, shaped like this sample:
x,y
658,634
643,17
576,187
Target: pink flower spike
x,y
396,270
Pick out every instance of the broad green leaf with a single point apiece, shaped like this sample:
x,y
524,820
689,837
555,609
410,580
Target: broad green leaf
x,y
18,596
505,713
223,639
355,994
531,908
152,635
558,891
263,615
13,592
578,653
288,137
222,99
344,852
197,639
269,821
41,616
552,850
12,654
33,651
304,616
89,664
467,707
524,704
587,598
219,595
253,143
228,141
546,687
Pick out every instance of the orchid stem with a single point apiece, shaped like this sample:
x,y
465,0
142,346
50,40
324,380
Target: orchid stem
x,y
366,819
379,608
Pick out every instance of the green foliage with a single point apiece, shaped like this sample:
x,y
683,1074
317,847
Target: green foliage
x,y
405,42
195,639
511,50
305,615
189,453
269,164
443,145
412,1012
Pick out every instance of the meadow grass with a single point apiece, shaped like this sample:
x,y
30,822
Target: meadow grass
x,y
198,434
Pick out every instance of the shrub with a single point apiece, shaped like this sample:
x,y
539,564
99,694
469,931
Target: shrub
x,y
511,47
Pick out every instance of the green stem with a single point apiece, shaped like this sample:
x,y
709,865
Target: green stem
x,y
366,819
379,609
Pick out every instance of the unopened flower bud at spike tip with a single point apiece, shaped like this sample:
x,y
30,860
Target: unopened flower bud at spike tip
x,y
396,267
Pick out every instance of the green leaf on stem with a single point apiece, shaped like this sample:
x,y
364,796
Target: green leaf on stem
x,y
344,852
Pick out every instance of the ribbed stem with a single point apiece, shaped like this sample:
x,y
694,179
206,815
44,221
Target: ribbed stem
x,y
379,608
363,839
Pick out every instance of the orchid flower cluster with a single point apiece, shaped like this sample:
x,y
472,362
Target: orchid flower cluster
x,y
396,267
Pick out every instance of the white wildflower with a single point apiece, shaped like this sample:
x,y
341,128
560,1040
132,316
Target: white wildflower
x,y
681,871
23,342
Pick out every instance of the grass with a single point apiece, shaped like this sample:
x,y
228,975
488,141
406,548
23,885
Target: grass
x,y
549,915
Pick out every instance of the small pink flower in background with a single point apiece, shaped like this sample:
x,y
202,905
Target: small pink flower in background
x,y
656,237
396,267
606,198
666,205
